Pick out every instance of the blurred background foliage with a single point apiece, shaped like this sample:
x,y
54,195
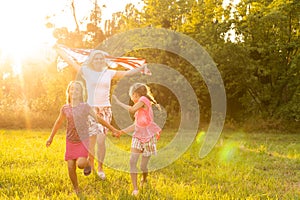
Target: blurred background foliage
x,y
255,45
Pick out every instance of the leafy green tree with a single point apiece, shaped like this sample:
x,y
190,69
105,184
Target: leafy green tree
x,y
260,64
269,45
254,44
178,16
123,20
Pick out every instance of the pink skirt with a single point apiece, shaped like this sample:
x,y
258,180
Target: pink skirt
x,y
145,133
76,150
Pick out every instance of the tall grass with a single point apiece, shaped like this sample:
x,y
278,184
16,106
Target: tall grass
x,y
241,166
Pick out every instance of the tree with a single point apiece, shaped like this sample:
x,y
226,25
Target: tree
x,y
270,39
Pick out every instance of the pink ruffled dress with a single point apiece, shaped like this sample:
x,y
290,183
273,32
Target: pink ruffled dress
x,y
145,127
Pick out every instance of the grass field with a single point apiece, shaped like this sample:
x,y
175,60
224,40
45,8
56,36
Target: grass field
x,y
241,166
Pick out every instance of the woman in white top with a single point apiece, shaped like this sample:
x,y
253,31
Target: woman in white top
x,y
98,83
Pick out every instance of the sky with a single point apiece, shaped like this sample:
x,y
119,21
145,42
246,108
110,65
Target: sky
x,y
111,6
22,22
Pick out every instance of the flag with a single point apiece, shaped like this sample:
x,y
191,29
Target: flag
x,y
80,56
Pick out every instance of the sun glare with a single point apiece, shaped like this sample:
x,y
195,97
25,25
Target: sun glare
x,y
24,34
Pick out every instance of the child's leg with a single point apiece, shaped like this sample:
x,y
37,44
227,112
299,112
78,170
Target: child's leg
x,y
92,142
101,150
144,167
72,174
82,162
135,153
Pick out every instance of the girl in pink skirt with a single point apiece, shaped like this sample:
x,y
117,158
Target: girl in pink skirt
x,y
76,113
146,131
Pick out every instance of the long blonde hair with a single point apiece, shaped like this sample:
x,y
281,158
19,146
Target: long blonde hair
x,y
143,90
83,92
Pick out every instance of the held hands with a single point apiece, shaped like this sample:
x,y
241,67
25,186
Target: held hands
x,y
115,133
118,133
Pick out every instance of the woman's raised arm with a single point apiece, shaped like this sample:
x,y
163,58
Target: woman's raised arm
x,y
66,58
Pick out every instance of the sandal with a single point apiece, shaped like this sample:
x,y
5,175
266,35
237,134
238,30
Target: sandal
x,y
101,175
135,193
87,170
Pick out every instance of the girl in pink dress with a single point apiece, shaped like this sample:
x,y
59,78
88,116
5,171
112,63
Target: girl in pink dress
x,y
76,113
146,131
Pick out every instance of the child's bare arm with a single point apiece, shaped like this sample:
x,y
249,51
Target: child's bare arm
x,y
121,74
131,109
66,58
109,126
103,122
126,130
55,128
129,129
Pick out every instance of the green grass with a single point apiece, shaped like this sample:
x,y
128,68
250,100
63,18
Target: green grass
x,y
241,166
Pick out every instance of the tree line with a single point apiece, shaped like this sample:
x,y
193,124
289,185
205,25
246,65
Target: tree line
x,y
255,45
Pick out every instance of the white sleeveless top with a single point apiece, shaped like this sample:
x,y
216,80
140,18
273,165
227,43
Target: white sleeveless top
x,y
98,86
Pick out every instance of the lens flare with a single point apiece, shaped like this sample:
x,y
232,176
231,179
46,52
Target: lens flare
x,y
200,137
228,152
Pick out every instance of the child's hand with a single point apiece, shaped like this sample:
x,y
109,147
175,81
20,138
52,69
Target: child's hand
x,y
146,70
119,133
115,133
48,142
157,136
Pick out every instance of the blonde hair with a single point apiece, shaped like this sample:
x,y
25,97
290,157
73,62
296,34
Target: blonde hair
x,y
89,61
143,90
83,93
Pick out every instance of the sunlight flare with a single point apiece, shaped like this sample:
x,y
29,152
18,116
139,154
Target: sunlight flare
x,y
228,151
200,137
